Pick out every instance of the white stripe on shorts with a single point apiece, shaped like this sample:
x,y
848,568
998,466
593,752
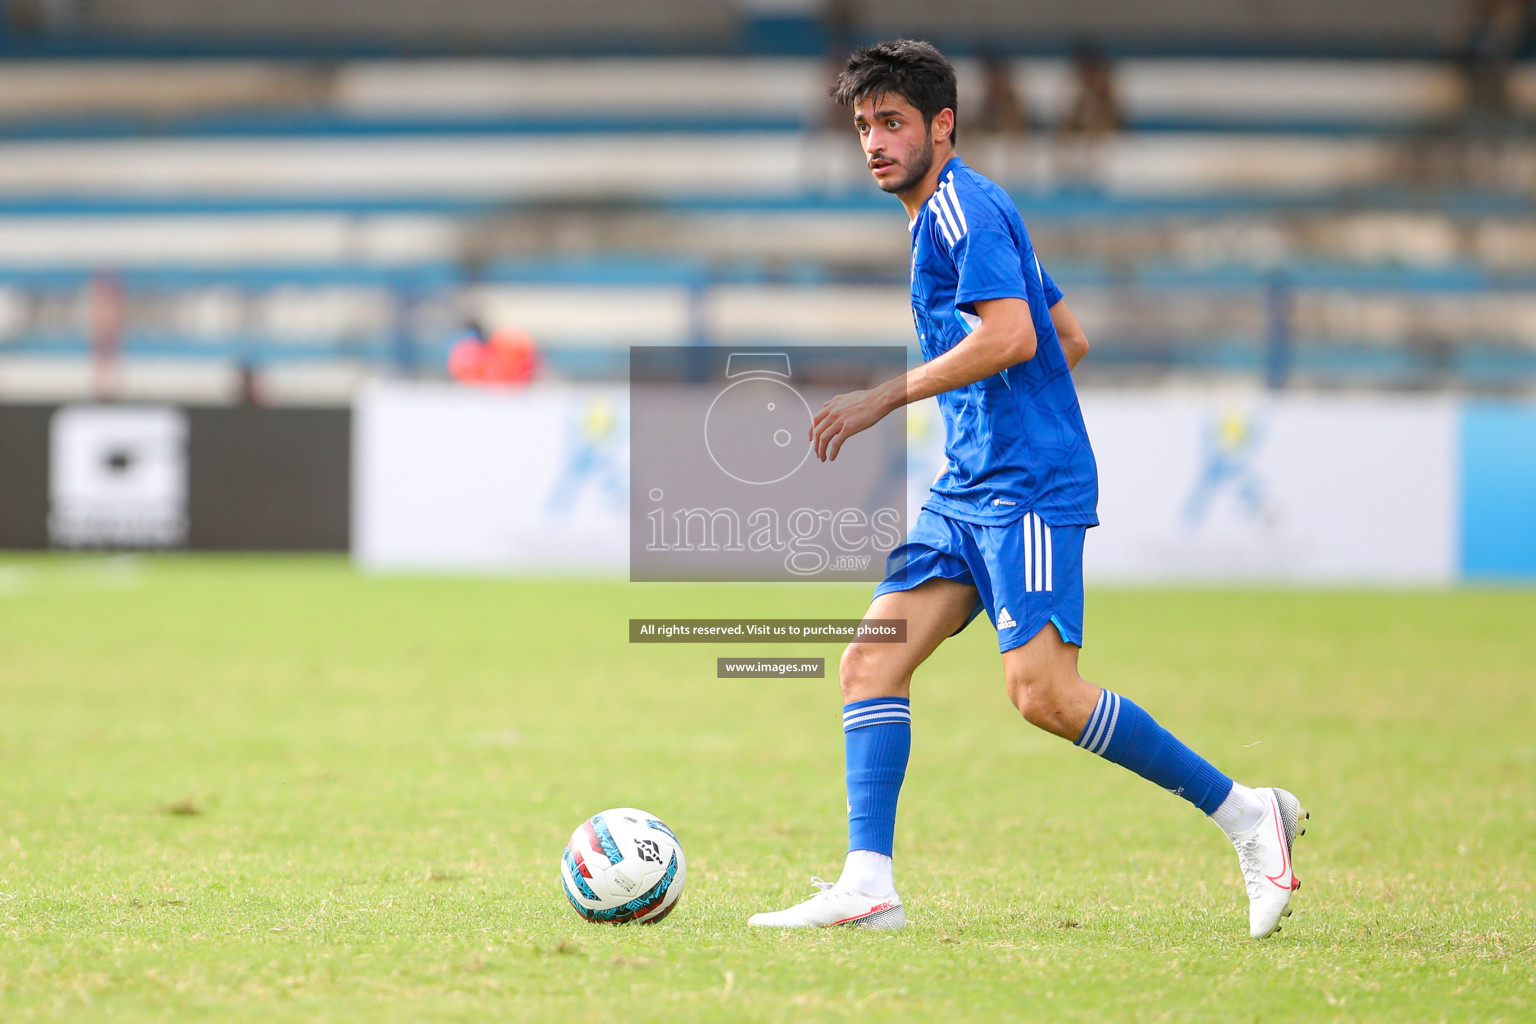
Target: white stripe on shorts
x,y
1048,559
1029,556
1035,525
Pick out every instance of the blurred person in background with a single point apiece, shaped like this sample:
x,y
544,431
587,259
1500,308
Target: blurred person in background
x,y
108,313
42,17
839,20
825,163
1092,116
506,356
1493,35
248,381
1472,144
1002,110
1002,118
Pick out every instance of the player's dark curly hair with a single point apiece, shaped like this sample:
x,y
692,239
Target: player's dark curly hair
x,y
914,70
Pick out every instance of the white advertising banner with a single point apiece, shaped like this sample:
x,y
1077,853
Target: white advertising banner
x,y
1192,487
1289,488
465,480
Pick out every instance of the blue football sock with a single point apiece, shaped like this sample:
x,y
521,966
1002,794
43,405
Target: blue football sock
x,y
1121,732
877,736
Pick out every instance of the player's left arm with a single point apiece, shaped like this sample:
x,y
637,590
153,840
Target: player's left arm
x,y
1006,337
1074,342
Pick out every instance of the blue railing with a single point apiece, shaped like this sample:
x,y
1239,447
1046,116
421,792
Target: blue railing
x,y
311,123
1054,205
1275,352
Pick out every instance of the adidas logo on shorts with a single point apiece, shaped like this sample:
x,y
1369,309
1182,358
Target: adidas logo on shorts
x,y
1004,620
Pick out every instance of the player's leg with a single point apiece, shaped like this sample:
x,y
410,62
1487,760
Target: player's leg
x,y
930,588
1044,684
876,679
933,611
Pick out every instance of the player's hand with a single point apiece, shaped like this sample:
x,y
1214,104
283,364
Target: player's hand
x,y
842,417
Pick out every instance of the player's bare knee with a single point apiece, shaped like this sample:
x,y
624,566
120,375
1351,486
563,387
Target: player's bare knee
x,y
1049,715
1026,698
867,671
1038,698
856,673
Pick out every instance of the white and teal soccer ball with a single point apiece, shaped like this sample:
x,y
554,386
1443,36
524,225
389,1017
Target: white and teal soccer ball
x,y
623,865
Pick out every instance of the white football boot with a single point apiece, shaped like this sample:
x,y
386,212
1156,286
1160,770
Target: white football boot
x,y
1264,854
836,904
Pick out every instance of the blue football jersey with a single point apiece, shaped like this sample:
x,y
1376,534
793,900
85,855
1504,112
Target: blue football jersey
x,y
1015,442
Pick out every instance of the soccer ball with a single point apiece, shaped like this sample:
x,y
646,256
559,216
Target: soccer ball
x,y
623,865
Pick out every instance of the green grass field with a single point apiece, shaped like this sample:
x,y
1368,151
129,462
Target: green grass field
x,y
273,789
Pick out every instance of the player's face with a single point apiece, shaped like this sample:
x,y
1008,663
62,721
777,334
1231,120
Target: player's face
x,y
898,143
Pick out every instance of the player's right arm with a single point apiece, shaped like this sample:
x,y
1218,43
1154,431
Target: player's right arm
x,y
1074,343
1005,337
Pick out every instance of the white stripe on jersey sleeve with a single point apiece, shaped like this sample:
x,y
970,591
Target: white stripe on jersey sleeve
x,y
945,199
949,235
954,202
946,219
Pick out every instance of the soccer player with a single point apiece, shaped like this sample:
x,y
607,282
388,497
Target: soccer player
x,y
1003,526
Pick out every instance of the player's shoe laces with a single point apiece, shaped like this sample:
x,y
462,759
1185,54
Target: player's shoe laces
x,y
837,905
1264,854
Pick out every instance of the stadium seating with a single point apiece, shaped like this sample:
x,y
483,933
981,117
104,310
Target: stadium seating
x,y
332,219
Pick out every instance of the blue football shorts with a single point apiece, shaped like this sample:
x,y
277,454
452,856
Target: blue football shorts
x,y
1026,573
